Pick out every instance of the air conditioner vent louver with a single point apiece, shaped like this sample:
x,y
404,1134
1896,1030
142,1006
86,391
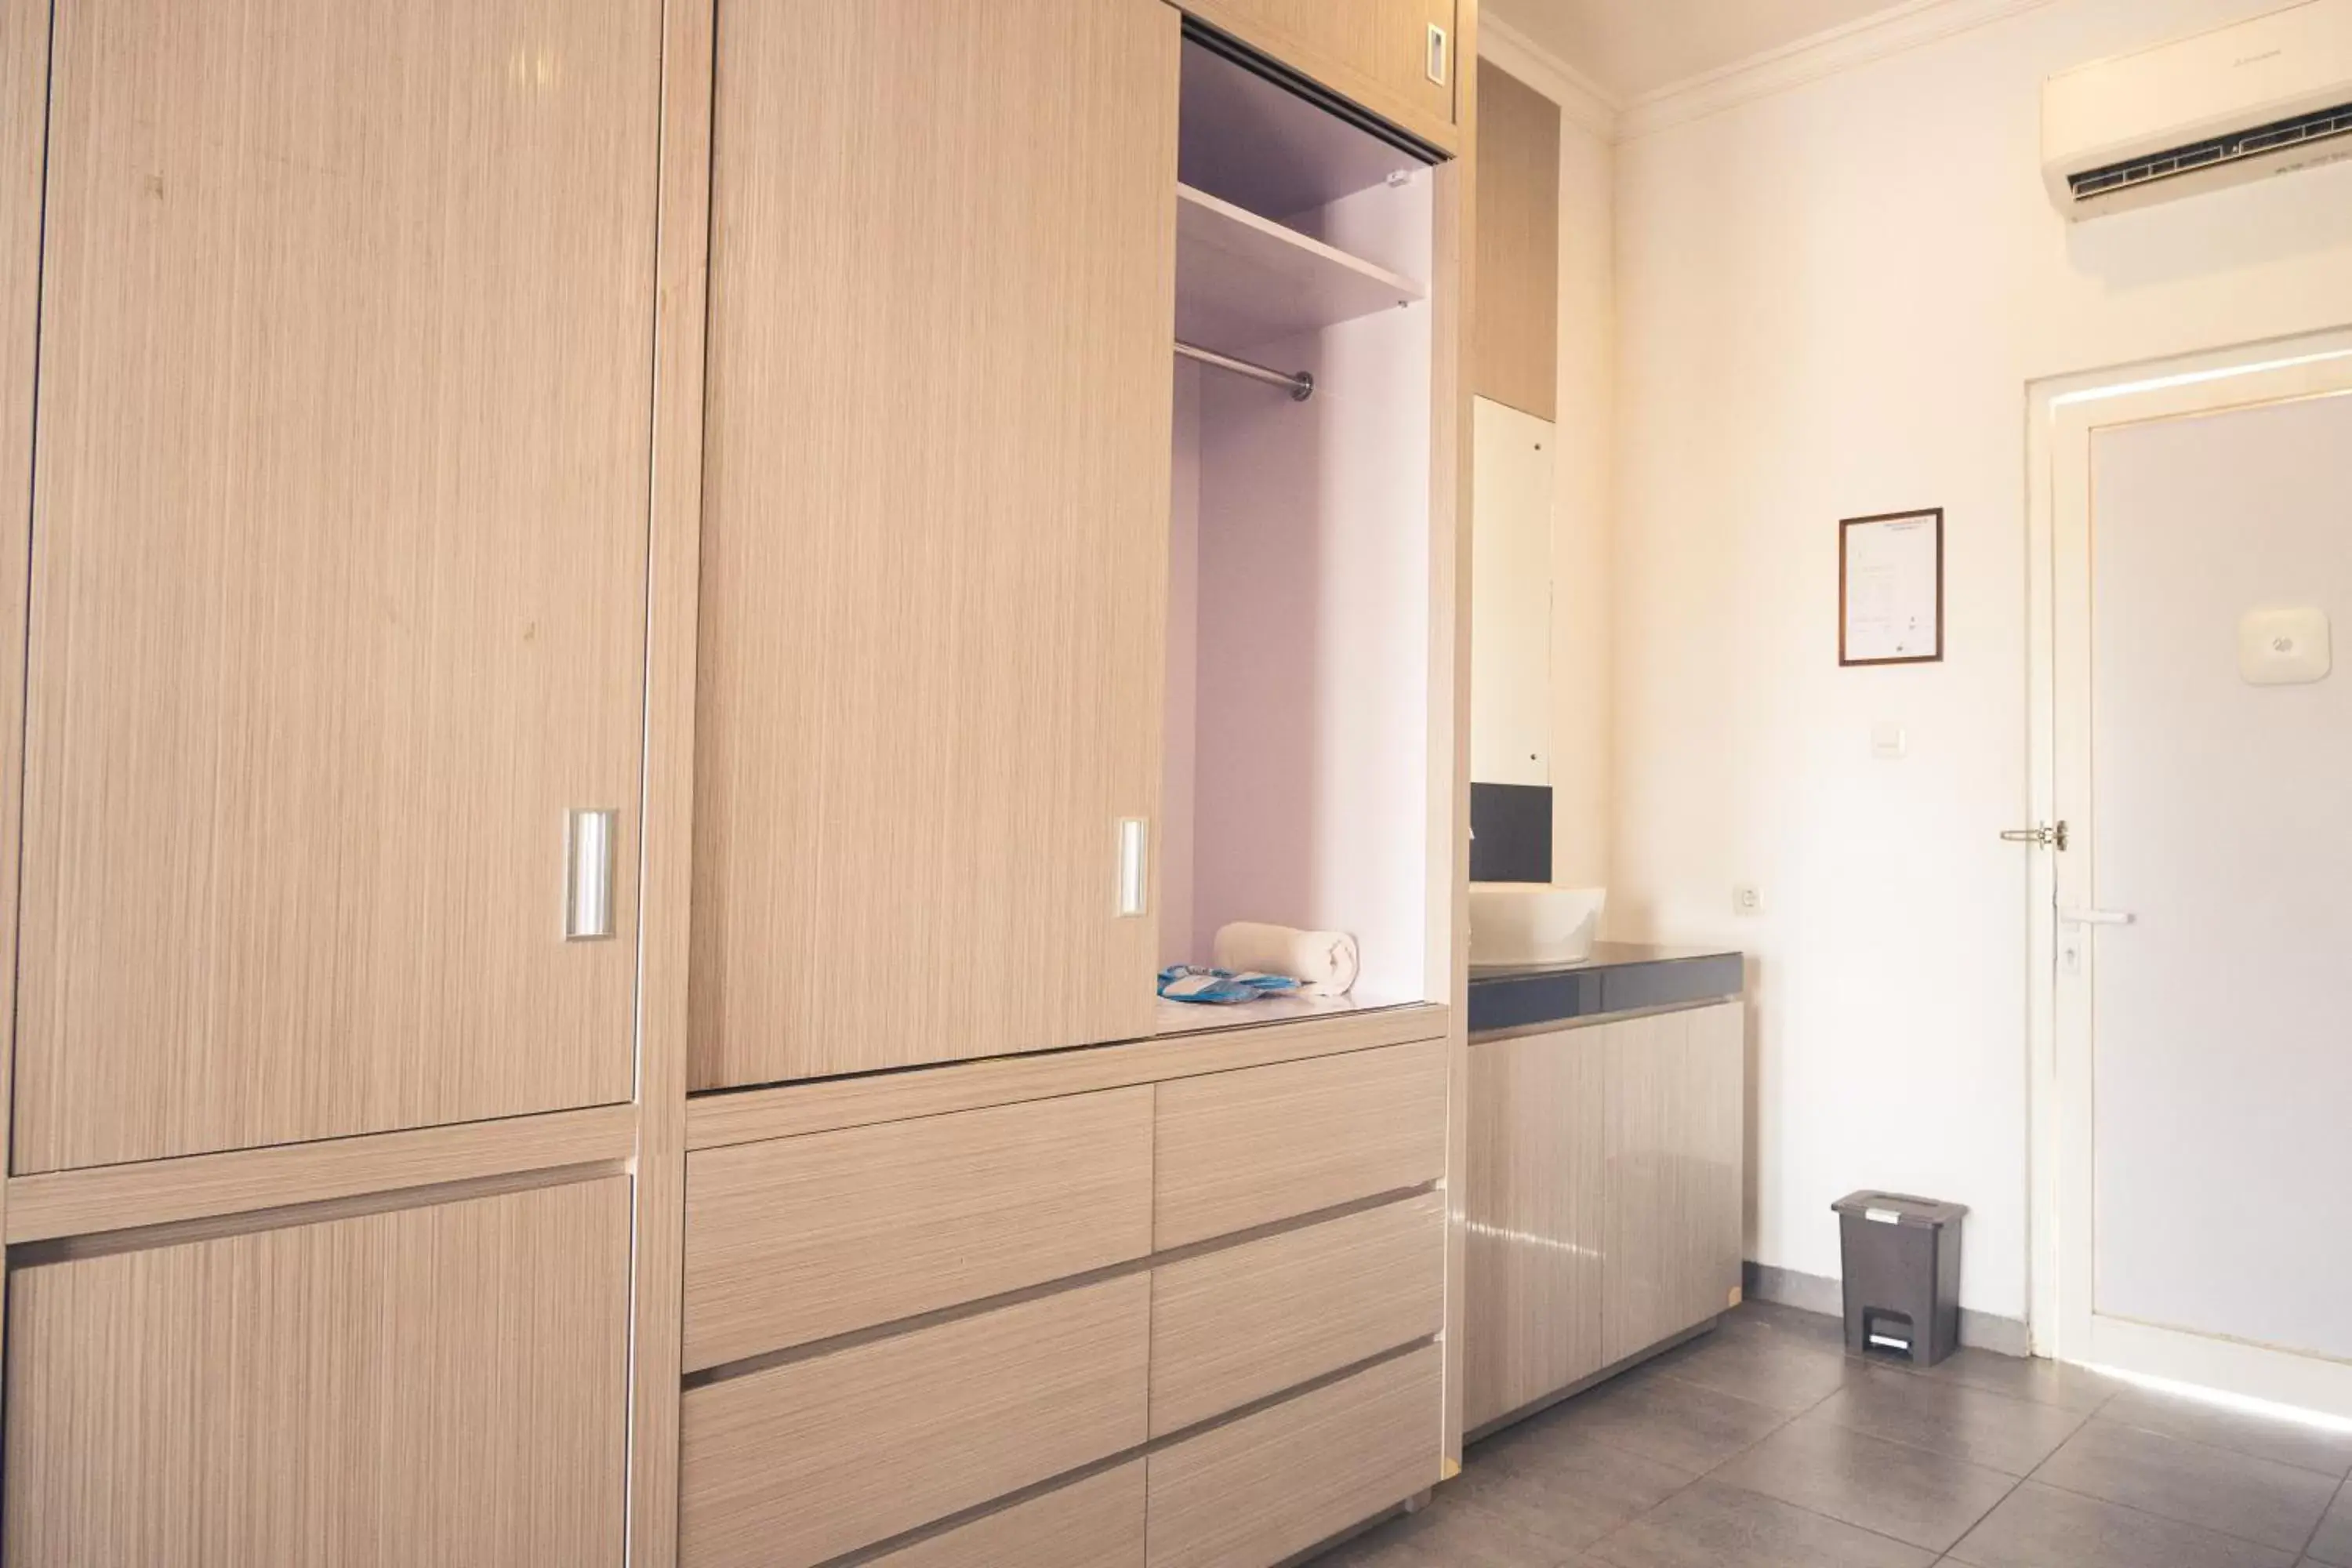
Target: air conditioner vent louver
x,y
2303,129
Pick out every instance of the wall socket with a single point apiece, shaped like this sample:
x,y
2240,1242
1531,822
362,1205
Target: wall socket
x,y
1746,900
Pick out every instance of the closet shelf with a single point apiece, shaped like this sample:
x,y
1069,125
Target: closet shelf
x,y
1244,280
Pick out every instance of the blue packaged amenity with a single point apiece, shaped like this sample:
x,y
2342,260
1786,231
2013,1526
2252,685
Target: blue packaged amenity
x,y
1219,987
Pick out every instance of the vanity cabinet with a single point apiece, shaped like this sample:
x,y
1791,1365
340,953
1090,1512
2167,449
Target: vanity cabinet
x,y
1675,1144
1606,1164
1399,58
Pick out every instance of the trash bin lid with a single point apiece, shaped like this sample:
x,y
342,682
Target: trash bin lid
x,y
1900,1208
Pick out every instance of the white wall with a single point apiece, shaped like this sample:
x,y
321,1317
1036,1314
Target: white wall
x,y
1830,303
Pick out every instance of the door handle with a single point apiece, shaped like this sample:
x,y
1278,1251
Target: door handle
x,y
588,843
2097,918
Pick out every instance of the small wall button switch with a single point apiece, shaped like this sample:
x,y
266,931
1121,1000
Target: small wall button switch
x,y
1889,742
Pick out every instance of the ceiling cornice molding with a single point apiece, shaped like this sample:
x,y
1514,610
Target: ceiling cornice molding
x,y
1894,31
1582,101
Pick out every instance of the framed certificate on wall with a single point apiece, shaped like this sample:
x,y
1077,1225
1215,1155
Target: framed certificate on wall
x,y
1891,588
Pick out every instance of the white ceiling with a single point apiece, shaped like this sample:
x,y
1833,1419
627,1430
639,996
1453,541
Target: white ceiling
x,y
1631,47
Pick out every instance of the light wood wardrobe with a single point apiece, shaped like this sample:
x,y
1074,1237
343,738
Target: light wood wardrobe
x,y
635,642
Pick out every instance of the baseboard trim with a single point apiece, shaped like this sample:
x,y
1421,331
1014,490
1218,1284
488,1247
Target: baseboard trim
x,y
1813,1293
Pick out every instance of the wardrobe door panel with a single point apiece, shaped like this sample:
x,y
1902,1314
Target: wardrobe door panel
x,y
436,1385
338,577
935,530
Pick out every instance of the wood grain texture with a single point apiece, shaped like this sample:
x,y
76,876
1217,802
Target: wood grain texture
x,y
934,550
1675,1141
667,875
715,1121
338,568
1374,52
1537,1218
1259,1489
429,1385
1518,326
804,1461
1236,1325
1245,1149
1454,283
165,1192
1096,1523
803,1238
24,139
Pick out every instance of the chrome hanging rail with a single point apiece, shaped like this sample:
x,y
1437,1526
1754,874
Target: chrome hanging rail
x,y
1301,385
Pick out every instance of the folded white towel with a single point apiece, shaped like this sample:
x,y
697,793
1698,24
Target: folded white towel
x,y
1325,962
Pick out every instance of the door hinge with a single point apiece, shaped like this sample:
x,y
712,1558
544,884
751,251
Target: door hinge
x,y
2050,835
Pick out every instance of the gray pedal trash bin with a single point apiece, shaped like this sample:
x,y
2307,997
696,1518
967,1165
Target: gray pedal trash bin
x,y
1902,1275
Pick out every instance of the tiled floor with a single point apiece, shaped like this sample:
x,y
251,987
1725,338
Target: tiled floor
x,y
1765,1445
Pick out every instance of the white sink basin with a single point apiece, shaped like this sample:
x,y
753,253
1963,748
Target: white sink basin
x,y
1533,923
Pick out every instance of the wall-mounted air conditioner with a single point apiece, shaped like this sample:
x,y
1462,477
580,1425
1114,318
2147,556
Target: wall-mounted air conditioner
x,y
2262,98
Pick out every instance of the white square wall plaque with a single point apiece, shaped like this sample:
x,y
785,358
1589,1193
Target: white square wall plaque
x,y
2285,647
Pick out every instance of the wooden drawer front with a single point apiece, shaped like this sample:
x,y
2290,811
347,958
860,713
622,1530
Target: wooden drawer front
x,y
807,1461
800,1239
1243,1323
1094,1523
1259,1489
1243,1149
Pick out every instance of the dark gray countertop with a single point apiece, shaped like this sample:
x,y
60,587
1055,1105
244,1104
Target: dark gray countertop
x,y
1620,977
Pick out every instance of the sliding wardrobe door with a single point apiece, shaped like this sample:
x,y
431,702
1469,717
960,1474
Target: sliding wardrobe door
x,y
338,577
935,529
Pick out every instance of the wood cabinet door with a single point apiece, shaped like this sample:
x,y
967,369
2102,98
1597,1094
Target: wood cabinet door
x,y
1382,54
1537,1195
436,1385
338,574
935,531
1675,1146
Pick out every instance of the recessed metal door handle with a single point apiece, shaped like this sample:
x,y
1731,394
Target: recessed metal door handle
x,y
1134,868
588,838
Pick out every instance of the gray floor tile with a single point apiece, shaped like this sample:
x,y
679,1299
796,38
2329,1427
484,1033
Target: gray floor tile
x,y
1444,1535
1564,1485
1927,1499
1973,1424
1785,1370
2237,1494
2333,1544
2288,1443
2039,1527
2024,1377
1714,1526
1788,1322
1669,1420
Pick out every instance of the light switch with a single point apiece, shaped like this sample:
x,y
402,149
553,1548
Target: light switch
x,y
2285,647
1889,742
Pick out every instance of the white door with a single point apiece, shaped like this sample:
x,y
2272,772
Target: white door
x,y
2203,988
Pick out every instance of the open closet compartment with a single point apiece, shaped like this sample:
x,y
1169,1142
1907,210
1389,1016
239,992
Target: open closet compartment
x,y
1299,739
